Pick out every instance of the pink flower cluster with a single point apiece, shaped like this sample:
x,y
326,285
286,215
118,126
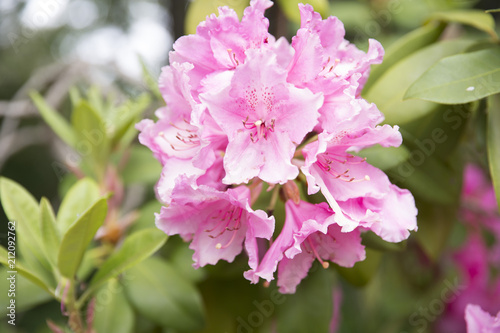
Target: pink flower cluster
x,y
244,110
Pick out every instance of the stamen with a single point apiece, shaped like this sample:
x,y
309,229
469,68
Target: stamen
x,y
313,249
232,56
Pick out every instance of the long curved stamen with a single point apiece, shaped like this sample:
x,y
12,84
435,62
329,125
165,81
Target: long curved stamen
x,y
313,249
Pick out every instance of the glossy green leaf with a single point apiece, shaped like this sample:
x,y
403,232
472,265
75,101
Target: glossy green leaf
x,y
79,197
363,271
310,309
403,47
385,158
58,124
159,293
493,142
79,235
460,79
291,8
475,18
51,239
20,206
141,167
21,269
198,10
387,93
134,249
92,137
112,311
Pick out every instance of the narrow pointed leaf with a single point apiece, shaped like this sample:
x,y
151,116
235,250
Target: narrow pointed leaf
x,y
76,240
493,142
460,78
58,124
136,248
79,197
92,136
50,234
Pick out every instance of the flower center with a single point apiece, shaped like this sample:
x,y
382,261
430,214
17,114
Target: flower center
x,y
326,162
185,137
228,220
259,129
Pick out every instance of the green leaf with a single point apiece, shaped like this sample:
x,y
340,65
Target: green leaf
x,y
388,91
95,100
141,167
460,79
51,239
79,197
74,96
403,47
371,240
113,313
76,240
291,8
433,180
21,207
151,82
435,223
120,119
385,158
493,142
312,300
146,217
160,294
363,271
92,137
135,249
28,294
58,124
475,18
21,269
198,10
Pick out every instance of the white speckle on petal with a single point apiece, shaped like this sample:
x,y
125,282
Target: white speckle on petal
x,y
470,88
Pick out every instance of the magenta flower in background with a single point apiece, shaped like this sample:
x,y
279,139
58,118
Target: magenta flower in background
x,y
244,111
475,259
480,321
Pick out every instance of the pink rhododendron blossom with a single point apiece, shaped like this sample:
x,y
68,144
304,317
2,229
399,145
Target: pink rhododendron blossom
x,y
264,118
309,233
245,112
480,321
216,222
